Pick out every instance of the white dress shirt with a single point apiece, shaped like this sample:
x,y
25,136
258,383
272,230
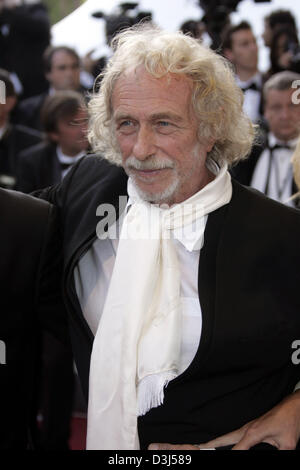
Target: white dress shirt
x,y
62,158
3,130
252,98
92,278
279,171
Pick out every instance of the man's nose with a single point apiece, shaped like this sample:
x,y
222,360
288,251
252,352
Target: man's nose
x,y
144,145
285,112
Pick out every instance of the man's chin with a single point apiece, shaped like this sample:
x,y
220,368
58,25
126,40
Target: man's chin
x,y
156,196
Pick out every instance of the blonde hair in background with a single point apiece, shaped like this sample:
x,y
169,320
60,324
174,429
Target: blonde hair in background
x,y
217,100
296,167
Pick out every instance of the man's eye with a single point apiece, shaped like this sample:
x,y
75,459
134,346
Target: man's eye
x,y
165,127
126,127
126,123
163,123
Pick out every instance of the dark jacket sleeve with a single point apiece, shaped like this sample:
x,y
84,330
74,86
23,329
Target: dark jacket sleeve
x,y
49,303
57,194
26,181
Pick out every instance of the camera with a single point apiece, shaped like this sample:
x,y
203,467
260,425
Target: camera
x,y
294,49
126,15
217,17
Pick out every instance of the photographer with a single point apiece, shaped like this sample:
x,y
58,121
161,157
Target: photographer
x,y
125,15
24,35
285,52
276,20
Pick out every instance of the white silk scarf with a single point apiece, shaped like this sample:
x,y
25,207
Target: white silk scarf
x,y
137,344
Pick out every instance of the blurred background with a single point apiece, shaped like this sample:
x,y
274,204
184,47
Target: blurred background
x,y
79,18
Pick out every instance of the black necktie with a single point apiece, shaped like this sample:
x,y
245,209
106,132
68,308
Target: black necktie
x,y
65,166
271,149
280,146
252,86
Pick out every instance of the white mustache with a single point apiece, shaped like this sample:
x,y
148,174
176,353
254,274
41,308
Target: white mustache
x,y
151,163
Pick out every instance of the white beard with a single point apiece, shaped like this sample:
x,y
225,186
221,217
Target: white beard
x,y
153,162
162,197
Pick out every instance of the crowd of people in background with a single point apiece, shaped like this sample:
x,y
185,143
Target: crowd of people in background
x,y
43,121
34,71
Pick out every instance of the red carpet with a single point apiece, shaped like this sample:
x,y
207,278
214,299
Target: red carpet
x,y
78,432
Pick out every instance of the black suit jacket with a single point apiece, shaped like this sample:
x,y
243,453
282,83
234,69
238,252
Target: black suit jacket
x,y
38,168
30,302
244,170
249,294
28,111
15,139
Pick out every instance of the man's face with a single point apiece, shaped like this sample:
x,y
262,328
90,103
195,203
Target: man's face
x,y
282,115
65,72
244,51
156,131
71,133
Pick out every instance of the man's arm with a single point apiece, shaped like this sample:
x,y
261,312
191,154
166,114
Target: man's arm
x,y
25,173
279,427
50,308
57,194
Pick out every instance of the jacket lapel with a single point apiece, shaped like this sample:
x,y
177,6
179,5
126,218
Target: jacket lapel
x,y
106,186
55,167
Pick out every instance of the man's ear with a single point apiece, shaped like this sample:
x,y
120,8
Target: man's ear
x,y
53,136
10,103
210,144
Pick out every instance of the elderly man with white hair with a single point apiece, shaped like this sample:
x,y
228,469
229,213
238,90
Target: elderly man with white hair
x,y
181,284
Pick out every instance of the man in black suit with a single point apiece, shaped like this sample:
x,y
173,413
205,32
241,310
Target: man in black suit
x,y
13,138
62,71
183,300
65,122
30,303
240,48
269,167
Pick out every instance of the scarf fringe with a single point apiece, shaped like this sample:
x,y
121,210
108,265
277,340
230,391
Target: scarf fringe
x,y
151,391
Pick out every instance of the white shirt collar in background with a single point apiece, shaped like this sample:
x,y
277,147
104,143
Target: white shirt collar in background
x,y
3,130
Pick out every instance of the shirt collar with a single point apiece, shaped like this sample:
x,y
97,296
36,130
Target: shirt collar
x,y
257,79
3,130
274,141
67,159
